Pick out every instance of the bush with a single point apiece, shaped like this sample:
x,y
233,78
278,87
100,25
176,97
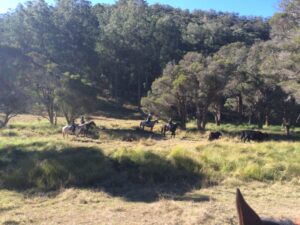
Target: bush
x,y
147,167
48,174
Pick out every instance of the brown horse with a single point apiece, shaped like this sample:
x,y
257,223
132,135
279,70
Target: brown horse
x,y
247,216
87,127
167,127
150,124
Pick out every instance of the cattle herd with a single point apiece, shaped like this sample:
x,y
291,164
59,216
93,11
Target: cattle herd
x,y
246,135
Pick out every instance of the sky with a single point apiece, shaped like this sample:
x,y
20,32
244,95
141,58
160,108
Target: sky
x,y
265,8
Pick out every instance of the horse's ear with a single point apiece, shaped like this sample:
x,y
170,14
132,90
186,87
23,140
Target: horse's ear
x,y
247,216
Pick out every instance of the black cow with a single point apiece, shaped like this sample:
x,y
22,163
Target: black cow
x,y
214,135
253,135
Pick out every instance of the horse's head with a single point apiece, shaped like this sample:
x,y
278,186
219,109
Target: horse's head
x,y
92,123
247,216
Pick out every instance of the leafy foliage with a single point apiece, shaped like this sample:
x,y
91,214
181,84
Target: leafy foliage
x,y
213,64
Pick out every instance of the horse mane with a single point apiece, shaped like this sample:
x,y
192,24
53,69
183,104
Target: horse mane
x,y
91,122
88,123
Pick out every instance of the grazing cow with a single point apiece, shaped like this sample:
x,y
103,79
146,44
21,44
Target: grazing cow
x,y
247,216
253,135
214,135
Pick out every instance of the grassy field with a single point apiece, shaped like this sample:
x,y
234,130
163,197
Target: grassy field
x,y
129,176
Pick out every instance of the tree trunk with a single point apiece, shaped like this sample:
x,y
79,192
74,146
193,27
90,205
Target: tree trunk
x,y
182,114
287,125
5,121
139,89
267,120
50,110
116,86
250,119
287,130
55,119
181,109
51,116
7,117
201,118
217,116
183,123
260,120
298,119
240,106
204,122
260,123
68,119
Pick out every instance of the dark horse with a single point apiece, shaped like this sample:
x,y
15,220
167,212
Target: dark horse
x,y
167,127
150,124
247,216
86,128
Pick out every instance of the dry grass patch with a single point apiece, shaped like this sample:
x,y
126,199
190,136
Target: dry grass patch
x,y
77,206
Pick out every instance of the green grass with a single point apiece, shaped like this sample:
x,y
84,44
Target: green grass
x,y
270,161
43,165
187,180
34,155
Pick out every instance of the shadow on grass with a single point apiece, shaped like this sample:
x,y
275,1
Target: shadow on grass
x,y
140,176
284,137
135,135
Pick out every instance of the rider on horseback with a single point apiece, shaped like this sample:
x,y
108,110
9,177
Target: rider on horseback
x,y
149,118
73,125
170,123
82,121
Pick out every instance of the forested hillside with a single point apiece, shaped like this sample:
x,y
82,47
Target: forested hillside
x,y
62,59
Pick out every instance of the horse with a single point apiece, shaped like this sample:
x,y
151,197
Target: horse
x,y
81,128
247,216
167,127
66,130
86,127
150,124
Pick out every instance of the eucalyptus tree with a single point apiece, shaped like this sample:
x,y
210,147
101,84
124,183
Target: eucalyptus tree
x,y
13,98
235,56
168,97
76,56
128,36
195,82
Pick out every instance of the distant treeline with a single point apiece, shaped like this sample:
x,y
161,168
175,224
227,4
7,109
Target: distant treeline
x,y
63,58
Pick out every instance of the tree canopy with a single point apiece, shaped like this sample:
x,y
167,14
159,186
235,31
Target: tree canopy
x,y
175,63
